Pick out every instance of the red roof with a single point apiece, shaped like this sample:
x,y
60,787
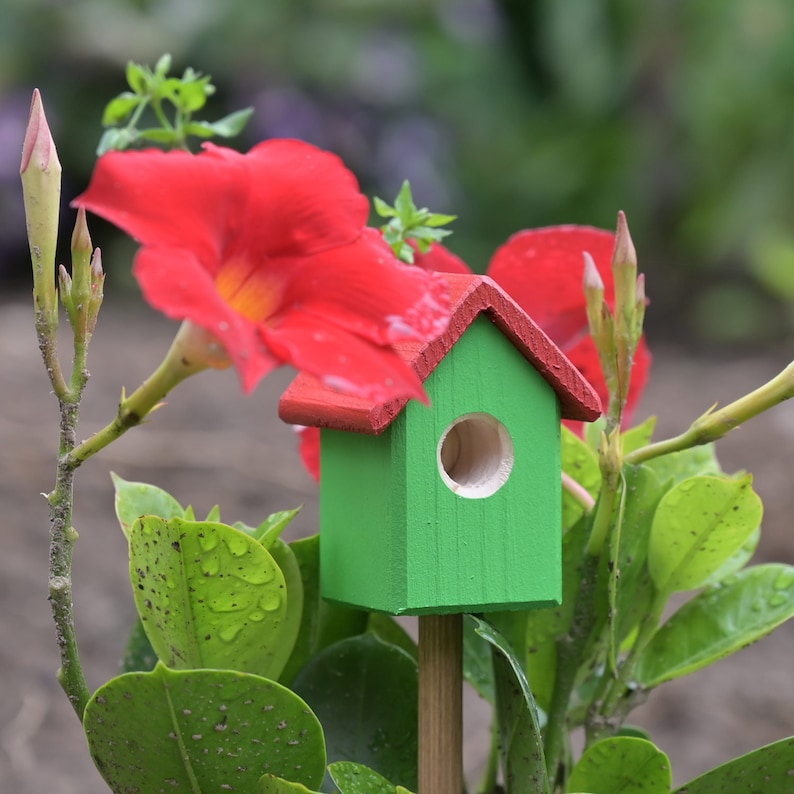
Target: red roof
x,y
309,402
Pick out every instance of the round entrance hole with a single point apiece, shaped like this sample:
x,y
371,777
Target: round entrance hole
x,y
475,455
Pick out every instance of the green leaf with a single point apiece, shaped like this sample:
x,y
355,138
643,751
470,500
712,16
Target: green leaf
x,y
581,464
521,744
201,730
352,778
638,436
214,515
158,135
389,630
622,765
477,661
272,527
139,656
404,203
228,126
679,466
767,770
136,499
382,208
209,595
193,95
271,784
545,626
114,140
364,691
699,525
634,590
137,78
288,633
437,219
322,622
718,622
119,109
736,561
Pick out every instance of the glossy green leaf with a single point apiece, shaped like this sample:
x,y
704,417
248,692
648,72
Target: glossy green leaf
x,y
580,463
353,778
208,594
634,589
692,462
622,765
718,622
544,626
139,656
201,731
322,622
767,770
118,109
272,784
736,561
521,744
699,525
477,661
227,127
136,499
364,692
272,527
638,436
290,627
389,630
137,79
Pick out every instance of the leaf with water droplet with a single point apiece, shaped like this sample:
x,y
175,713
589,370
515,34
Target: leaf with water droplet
x,y
196,586
353,778
718,622
201,730
698,526
136,499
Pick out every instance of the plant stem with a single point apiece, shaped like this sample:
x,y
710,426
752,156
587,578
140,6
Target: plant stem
x,y
578,492
714,425
487,784
188,355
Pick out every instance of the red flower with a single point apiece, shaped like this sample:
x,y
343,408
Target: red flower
x,y
543,271
269,252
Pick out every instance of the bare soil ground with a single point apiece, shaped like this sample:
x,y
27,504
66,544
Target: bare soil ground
x,y
211,444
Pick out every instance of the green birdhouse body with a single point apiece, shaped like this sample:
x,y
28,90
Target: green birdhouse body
x,y
453,507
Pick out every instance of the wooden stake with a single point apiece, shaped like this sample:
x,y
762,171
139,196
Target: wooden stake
x,y
440,704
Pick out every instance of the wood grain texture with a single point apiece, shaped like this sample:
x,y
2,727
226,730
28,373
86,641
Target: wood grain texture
x,y
309,402
441,704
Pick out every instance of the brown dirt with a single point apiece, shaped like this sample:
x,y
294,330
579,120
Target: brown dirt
x,y
212,444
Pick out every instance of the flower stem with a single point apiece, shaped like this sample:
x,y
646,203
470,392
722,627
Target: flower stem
x,y
715,424
190,353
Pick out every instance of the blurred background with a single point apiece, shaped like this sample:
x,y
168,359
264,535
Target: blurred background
x,y
509,113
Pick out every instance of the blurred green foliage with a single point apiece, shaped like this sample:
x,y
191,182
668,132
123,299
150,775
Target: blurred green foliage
x,y
510,114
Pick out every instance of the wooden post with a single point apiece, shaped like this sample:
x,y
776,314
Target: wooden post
x,y
440,704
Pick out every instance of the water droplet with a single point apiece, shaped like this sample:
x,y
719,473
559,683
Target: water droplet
x,y
170,584
208,540
229,633
271,602
778,600
257,616
211,566
758,606
237,545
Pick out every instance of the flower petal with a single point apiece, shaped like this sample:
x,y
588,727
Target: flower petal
x,y
309,449
342,359
173,281
366,290
440,259
543,271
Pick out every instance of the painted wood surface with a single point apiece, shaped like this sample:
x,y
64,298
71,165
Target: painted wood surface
x,y
308,402
395,537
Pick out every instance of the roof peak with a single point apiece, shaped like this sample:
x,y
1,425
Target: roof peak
x,y
307,401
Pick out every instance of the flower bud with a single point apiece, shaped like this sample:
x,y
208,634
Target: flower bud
x,y
40,172
78,302
97,291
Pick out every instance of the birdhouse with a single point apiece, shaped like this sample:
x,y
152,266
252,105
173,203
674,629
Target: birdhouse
x,y
453,507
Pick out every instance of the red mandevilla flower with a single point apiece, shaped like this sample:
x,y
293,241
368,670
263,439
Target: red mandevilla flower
x,y
543,271
270,253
